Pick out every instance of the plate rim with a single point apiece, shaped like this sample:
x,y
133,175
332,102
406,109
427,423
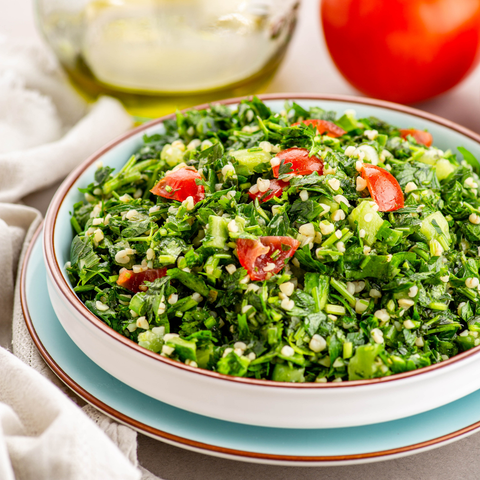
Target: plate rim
x,y
54,269
205,448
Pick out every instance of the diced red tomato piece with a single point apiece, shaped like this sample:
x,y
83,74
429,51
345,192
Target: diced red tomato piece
x,y
383,188
132,281
324,126
420,136
302,164
180,184
275,190
256,255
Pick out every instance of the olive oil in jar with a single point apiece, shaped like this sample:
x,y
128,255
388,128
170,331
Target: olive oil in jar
x,y
160,55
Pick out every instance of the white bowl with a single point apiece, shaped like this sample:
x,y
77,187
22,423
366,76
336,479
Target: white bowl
x,y
250,401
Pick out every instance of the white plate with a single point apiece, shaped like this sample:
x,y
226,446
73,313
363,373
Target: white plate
x,y
251,401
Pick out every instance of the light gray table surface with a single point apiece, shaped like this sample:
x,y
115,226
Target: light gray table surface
x,y
307,68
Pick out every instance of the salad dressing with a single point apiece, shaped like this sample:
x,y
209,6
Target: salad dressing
x,y
159,55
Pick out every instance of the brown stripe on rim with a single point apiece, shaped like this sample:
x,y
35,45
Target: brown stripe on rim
x,y
185,442
54,268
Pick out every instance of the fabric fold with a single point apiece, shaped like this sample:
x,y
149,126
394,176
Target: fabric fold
x,y
46,131
29,170
46,436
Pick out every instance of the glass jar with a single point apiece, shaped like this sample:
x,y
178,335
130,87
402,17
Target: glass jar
x,y
160,55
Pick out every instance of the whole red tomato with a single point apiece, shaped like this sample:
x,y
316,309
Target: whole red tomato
x,y
402,50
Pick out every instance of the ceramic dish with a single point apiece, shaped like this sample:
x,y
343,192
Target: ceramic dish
x,y
255,402
294,447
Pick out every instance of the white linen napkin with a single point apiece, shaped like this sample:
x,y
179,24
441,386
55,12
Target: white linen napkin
x,y
46,130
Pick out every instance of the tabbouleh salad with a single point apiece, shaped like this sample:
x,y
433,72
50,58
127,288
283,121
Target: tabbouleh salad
x,y
300,246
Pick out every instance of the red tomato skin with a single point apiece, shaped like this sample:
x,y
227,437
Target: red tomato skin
x,y
255,254
420,136
383,188
302,164
131,281
323,126
276,188
183,185
405,51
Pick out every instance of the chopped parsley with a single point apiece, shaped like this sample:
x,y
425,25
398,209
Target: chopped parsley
x,y
366,293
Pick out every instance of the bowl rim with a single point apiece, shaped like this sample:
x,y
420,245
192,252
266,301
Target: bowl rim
x,y
56,274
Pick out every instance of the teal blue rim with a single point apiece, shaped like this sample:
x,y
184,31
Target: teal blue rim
x,y
383,434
